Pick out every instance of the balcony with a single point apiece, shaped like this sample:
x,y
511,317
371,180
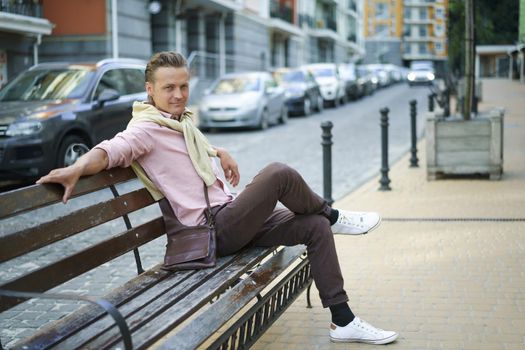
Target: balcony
x,y
281,11
326,23
23,17
418,2
28,8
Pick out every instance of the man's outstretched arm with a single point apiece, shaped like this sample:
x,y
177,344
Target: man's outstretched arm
x,y
90,163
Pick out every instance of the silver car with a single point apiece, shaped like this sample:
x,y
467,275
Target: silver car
x,y
251,99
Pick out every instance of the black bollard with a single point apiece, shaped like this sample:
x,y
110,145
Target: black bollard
x,y
446,112
431,102
385,181
327,143
413,134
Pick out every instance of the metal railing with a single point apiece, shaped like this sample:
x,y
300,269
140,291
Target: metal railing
x,y
32,8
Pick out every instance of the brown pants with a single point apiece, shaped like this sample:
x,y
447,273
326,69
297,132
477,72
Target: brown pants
x,y
253,220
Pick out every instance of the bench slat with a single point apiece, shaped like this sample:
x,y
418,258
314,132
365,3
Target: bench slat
x,y
33,238
152,322
36,196
60,329
54,274
194,334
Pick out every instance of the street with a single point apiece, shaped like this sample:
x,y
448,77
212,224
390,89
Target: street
x,y
356,150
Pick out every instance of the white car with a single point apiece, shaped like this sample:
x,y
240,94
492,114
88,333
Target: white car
x,y
328,77
421,76
250,99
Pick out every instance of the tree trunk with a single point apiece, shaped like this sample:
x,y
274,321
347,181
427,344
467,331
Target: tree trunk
x,y
469,59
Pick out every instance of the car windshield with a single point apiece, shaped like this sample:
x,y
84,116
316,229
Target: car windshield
x,y
323,72
47,84
236,85
294,77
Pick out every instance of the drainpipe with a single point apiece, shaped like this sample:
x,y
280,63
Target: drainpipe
x,y
114,28
222,44
35,48
178,27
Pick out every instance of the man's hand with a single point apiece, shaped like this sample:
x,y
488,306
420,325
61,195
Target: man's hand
x,y
90,163
229,166
67,177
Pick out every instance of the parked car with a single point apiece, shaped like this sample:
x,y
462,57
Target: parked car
x,y
348,73
383,78
250,99
53,113
394,73
365,81
332,86
303,94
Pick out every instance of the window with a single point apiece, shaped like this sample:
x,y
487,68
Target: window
x,y
381,30
381,11
422,31
407,13
438,47
134,80
440,13
112,79
438,30
422,48
423,13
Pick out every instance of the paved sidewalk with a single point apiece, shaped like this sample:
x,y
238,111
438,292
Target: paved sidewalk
x,y
440,284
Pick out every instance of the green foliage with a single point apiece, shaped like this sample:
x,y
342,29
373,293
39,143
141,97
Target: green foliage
x,y
496,24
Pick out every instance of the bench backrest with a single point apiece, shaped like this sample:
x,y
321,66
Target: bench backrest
x,y
17,206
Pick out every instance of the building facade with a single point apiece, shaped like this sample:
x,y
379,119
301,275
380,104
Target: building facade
x,y
401,31
22,27
217,36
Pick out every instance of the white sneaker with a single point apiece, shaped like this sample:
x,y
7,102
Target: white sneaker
x,y
359,331
356,223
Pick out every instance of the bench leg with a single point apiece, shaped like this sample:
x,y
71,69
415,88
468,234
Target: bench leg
x,y
308,301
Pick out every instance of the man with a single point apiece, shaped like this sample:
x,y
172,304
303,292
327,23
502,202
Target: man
x,y
172,158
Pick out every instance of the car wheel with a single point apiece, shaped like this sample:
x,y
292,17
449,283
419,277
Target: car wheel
x,y
307,106
263,123
71,148
284,115
320,104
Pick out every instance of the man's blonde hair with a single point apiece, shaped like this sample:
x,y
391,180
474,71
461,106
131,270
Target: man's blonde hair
x,y
164,59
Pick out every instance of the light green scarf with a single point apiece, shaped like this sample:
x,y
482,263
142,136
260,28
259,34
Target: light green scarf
x,y
199,149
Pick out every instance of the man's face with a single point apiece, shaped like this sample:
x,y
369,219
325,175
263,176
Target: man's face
x,y
169,89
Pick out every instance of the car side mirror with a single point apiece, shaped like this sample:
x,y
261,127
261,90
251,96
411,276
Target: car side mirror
x,y
107,95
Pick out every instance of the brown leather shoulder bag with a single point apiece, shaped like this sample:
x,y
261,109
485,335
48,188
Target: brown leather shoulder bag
x,y
189,247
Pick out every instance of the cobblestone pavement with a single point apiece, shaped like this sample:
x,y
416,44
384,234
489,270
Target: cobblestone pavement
x,y
353,121
440,284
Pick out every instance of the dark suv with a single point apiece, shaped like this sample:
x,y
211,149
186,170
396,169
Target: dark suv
x,y
54,112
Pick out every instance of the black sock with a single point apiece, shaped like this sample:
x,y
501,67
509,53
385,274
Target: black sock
x,y
341,314
334,215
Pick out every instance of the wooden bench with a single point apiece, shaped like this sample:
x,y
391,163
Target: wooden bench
x,y
241,296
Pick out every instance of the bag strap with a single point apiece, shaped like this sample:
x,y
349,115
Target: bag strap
x,y
209,215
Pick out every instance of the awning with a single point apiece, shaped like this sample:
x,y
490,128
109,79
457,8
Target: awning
x,y
26,25
324,34
215,5
279,25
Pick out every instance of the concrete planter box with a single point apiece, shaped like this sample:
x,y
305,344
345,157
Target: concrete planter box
x,y
460,147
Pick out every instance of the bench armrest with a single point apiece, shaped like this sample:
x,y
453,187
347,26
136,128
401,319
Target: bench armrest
x,y
103,303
